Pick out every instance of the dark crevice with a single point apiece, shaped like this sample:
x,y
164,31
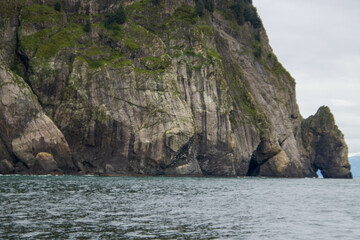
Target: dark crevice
x,y
254,167
88,165
25,62
282,142
182,155
10,152
23,59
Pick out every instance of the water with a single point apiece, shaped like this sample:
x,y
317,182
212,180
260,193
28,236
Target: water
x,y
178,208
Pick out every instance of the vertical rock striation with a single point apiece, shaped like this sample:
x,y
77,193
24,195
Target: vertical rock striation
x,y
169,92
25,129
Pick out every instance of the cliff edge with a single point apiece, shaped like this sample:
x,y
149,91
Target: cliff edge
x,y
145,87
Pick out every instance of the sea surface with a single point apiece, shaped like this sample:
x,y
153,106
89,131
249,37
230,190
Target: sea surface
x,y
68,207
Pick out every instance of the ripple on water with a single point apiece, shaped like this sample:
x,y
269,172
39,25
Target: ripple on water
x,y
67,207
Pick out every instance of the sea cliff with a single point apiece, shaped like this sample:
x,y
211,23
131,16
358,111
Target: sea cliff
x,y
185,88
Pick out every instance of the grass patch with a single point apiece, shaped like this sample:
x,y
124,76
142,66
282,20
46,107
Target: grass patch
x,y
213,54
99,57
65,38
155,63
276,67
145,71
147,14
117,34
33,41
43,14
47,42
137,8
186,13
206,29
131,45
190,52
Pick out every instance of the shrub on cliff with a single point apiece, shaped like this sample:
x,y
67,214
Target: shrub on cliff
x,y
199,7
57,6
87,27
251,15
257,51
118,17
244,11
238,10
156,2
209,5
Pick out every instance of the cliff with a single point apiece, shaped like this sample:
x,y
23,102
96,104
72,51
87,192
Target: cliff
x,y
177,88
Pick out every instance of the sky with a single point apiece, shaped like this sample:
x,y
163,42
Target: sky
x,y
318,42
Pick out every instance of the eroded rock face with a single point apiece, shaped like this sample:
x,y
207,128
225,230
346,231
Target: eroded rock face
x,y
25,129
166,93
325,146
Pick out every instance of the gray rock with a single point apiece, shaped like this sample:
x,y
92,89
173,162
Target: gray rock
x,y
6,167
184,96
46,164
324,146
24,128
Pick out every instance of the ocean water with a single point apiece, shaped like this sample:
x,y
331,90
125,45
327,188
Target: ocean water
x,y
68,207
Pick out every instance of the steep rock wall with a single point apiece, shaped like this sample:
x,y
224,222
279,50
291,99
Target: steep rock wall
x,y
25,129
324,145
166,93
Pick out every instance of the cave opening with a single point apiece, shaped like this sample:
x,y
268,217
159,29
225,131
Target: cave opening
x,y
253,169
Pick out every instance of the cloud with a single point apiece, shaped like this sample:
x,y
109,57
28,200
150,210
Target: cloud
x,y
354,154
342,103
317,41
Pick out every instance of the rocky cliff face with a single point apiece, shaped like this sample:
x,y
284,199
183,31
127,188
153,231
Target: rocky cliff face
x,y
324,145
172,91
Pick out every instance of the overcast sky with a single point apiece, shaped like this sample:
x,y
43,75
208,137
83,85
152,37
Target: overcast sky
x,y
318,42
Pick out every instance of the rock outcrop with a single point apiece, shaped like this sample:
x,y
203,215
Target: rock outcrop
x,y
172,91
25,129
324,145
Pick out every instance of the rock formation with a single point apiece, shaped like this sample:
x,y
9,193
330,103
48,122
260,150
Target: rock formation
x,y
324,145
172,91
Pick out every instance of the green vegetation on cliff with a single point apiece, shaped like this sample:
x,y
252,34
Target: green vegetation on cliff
x,y
158,87
47,42
42,15
115,18
244,11
57,6
87,26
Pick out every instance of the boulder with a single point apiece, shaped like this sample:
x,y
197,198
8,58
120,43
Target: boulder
x,y
46,164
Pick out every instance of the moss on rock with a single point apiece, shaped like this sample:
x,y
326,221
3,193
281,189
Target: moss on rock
x,y
156,63
41,15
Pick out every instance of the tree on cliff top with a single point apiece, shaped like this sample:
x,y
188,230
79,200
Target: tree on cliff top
x,y
244,11
252,16
239,9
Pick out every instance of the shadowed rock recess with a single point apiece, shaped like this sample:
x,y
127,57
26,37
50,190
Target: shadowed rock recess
x,y
185,88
